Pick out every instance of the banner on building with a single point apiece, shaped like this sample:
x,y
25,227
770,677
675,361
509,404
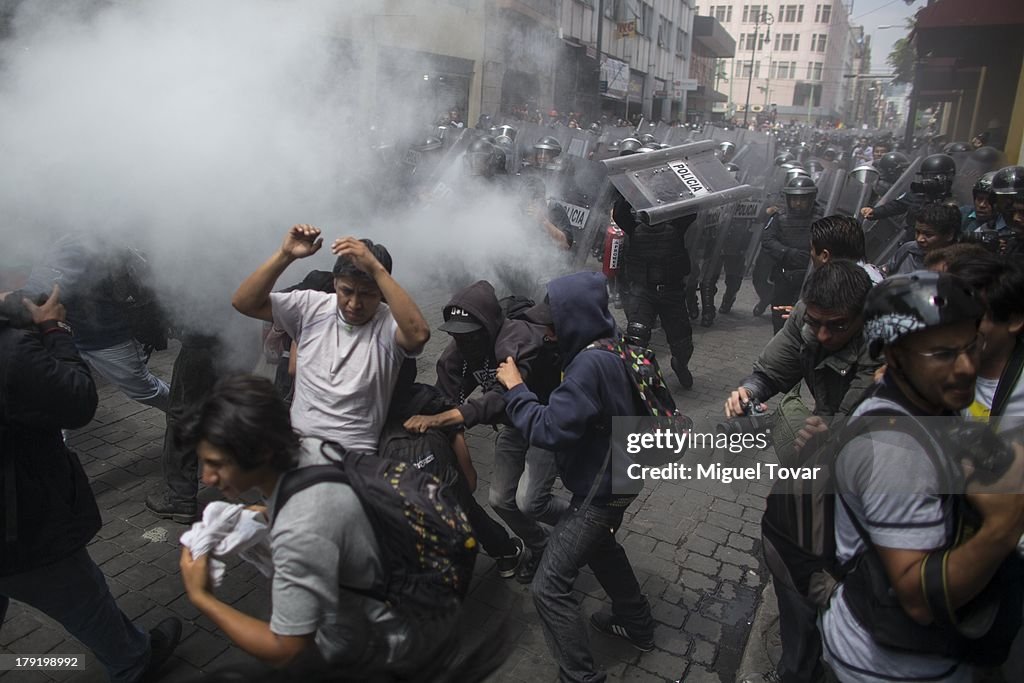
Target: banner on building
x,y
626,29
616,74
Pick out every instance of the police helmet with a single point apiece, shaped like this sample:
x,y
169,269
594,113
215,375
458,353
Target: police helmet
x,y
1008,181
430,144
796,173
784,158
937,164
499,161
800,185
829,154
638,334
480,157
726,150
984,184
646,139
504,134
989,157
903,304
892,165
645,149
629,146
865,174
956,148
613,146
549,143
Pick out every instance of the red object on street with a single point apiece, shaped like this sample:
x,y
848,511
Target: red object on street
x,y
613,241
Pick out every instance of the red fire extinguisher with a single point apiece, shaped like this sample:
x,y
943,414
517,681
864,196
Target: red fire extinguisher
x,y
613,241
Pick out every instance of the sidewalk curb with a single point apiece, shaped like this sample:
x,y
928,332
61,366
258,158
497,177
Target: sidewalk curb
x,y
763,642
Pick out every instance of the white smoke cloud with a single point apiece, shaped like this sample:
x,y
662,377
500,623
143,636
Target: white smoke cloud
x,y
200,131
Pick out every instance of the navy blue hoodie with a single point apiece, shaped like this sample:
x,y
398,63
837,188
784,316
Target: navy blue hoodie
x,y
577,422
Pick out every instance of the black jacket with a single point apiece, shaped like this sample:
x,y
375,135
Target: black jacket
x,y
457,378
45,387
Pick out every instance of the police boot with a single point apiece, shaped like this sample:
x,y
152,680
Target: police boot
x,y
682,374
707,318
727,301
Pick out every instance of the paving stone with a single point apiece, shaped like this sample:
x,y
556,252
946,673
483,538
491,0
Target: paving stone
x,y
138,576
703,652
740,542
39,641
134,604
663,664
712,533
702,626
17,626
672,640
200,648
667,613
695,581
118,564
736,557
700,564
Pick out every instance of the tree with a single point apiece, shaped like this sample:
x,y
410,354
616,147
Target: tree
x,y
902,57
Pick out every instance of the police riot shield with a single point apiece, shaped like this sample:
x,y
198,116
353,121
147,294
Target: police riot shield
x,y
966,176
576,191
882,238
446,175
852,195
660,186
661,132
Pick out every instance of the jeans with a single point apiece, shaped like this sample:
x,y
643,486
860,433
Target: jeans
x,y
585,536
192,379
521,489
123,366
74,592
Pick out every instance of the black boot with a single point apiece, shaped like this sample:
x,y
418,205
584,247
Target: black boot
x,y
727,302
682,374
707,318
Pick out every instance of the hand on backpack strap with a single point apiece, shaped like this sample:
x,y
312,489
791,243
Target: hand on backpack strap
x,y
508,374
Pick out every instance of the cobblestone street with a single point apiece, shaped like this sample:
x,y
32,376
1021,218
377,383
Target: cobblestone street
x,y
695,546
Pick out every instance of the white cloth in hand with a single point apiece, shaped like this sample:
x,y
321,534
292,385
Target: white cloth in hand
x,y
228,529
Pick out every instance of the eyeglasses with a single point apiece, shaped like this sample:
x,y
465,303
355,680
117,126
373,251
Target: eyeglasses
x,y
949,356
833,326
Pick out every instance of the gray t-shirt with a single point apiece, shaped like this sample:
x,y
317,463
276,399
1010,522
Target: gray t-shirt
x,y
909,514
321,540
345,374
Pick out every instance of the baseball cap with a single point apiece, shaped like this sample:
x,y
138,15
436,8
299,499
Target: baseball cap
x,y
458,321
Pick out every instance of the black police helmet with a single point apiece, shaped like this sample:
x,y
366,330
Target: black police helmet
x,y
629,146
1008,181
893,164
800,185
903,304
984,184
988,156
956,148
549,143
937,164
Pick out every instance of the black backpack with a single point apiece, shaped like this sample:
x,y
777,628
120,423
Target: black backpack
x,y
430,451
129,285
645,375
514,306
427,548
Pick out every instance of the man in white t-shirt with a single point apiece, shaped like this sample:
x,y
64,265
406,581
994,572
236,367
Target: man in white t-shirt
x,y
350,344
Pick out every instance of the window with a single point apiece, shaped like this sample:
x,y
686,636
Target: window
x,y
721,12
818,42
644,19
611,9
784,69
818,70
743,69
791,13
680,41
787,42
751,12
665,33
823,14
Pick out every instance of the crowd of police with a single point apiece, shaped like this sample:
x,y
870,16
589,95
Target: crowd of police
x,y
933,330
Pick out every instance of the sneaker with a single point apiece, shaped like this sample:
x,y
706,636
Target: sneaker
x,y
606,622
508,564
165,507
528,568
162,641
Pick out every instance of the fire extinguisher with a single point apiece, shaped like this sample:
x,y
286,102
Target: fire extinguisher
x,y
613,242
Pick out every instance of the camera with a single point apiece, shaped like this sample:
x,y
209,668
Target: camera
x,y
990,453
933,187
755,420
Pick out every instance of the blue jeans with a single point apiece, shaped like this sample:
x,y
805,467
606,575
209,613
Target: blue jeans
x,y
74,592
521,488
124,366
585,536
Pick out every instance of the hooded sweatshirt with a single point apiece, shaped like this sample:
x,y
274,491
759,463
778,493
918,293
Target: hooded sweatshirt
x,y
458,377
577,422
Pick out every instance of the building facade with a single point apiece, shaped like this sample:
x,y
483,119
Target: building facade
x,y
790,57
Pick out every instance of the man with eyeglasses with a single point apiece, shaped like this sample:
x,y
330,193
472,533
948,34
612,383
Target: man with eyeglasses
x,y
902,609
822,343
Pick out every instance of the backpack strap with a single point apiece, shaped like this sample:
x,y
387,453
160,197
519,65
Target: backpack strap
x,y
1008,379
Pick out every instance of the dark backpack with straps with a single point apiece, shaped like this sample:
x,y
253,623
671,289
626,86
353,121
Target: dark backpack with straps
x,y
427,548
644,374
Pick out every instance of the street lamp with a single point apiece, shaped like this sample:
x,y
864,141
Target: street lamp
x,y
768,21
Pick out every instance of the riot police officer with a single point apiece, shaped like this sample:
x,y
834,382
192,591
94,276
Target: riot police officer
x,y
731,257
934,186
657,264
890,167
981,221
787,240
1008,191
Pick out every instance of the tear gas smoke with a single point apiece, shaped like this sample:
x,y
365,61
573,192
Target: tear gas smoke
x,y
200,132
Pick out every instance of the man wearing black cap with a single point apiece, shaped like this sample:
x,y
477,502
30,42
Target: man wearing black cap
x,y
523,474
351,344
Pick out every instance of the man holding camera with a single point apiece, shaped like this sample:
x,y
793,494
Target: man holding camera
x,y
822,343
934,186
903,609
